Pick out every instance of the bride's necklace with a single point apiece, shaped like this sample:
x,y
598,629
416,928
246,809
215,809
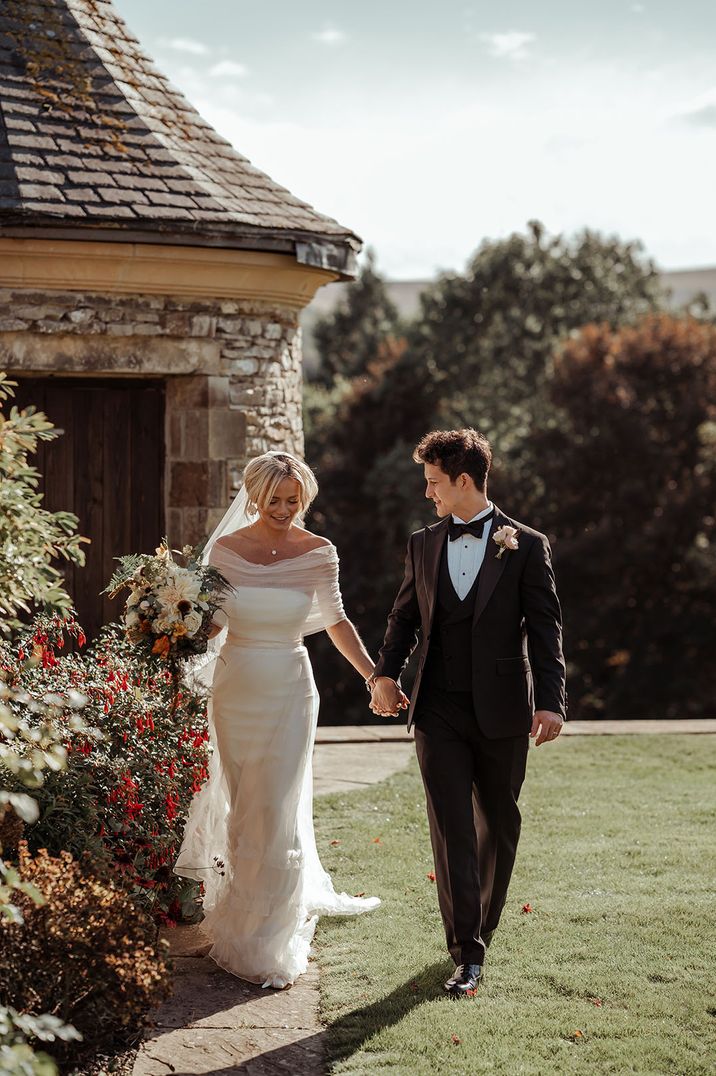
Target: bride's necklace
x,y
274,549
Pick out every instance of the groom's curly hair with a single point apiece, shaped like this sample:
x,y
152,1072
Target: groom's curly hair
x,y
457,452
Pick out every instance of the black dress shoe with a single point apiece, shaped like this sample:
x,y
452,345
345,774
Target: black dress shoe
x,y
465,980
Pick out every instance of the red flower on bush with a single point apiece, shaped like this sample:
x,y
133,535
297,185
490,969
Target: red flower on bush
x,y
129,791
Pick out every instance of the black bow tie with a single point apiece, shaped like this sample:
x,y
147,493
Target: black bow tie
x,y
456,530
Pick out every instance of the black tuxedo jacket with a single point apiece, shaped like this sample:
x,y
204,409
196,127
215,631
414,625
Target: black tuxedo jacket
x,y
517,661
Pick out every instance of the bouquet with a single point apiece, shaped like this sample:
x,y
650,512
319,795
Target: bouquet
x,y
170,608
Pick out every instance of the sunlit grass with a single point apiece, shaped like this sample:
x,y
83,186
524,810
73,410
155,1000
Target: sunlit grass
x,y
611,972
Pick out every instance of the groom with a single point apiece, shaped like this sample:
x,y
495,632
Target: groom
x,y
480,589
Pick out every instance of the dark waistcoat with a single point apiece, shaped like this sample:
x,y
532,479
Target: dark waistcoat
x,y
448,665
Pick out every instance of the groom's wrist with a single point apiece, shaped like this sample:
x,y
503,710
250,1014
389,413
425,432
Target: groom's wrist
x,y
372,680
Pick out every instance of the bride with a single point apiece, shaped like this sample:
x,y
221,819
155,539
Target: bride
x,y
249,836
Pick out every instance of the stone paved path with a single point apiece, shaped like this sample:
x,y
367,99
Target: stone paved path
x,y
215,1023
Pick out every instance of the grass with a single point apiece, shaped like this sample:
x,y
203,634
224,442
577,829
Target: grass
x,y
611,972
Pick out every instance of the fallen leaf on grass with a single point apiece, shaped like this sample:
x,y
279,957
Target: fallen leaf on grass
x,y
359,894
576,1035
377,840
526,909
596,1001
430,876
334,843
456,1040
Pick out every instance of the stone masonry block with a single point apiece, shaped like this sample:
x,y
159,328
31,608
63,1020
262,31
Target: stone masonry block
x,y
196,434
227,434
188,483
218,485
187,392
218,389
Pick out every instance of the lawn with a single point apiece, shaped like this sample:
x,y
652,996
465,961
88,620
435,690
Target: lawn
x,y
612,970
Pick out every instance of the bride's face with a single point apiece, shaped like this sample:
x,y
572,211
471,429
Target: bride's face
x,y
284,505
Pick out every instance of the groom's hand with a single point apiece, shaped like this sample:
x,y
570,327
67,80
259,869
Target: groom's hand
x,y
545,726
387,698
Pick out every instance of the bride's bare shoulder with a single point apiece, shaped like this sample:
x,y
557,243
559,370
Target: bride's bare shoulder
x,y
235,540
313,541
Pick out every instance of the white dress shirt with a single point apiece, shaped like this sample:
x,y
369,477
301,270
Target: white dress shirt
x,y
466,554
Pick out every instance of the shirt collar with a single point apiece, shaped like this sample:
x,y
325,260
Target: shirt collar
x,y
479,515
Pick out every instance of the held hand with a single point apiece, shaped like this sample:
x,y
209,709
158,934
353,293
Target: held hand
x,y
387,698
548,724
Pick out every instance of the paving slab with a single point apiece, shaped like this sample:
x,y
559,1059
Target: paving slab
x,y
356,734
641,727
264,1051
207,997
341,767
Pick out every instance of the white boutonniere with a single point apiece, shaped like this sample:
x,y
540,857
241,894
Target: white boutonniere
x,y
507,538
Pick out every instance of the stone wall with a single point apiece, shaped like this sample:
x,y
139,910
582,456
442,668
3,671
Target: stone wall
x,y
232,370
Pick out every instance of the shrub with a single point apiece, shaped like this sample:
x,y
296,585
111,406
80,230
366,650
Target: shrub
x,y
30,536
88,955
17,1057
131,773
27,749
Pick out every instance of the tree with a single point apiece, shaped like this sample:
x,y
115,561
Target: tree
x,y
491,333
625,483
30,536
349,339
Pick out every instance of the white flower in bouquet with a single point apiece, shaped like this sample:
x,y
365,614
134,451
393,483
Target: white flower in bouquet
x,y
192,623
165,623
180,586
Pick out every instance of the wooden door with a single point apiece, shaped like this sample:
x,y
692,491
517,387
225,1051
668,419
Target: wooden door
x,y
107,467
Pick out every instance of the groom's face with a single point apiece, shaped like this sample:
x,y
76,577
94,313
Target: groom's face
x,y
440,490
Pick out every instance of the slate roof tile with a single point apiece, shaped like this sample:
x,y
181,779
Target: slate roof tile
x,y
90,128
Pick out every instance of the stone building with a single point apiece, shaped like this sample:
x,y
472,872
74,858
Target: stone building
x,y
151,280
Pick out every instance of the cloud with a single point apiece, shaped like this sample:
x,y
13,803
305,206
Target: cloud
x,y
701,117
228,69
511,46
700,112
185,44
330,36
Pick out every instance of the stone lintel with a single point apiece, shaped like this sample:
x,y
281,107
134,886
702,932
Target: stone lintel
x,y
65,354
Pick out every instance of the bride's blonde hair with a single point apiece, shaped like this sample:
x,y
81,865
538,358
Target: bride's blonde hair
x,y
263,474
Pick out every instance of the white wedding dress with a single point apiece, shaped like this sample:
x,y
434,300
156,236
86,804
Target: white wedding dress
x,y
249,836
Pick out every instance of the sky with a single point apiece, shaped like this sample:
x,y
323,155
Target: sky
x,y
427,127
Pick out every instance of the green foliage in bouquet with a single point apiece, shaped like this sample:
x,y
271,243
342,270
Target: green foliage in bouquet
x,y
30,536
87,954
170,607
131,771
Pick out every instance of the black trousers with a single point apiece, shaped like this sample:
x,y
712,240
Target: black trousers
x,y
472,784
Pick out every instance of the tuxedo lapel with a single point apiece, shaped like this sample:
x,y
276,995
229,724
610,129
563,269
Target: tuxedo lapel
x,y
435,538
492,567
